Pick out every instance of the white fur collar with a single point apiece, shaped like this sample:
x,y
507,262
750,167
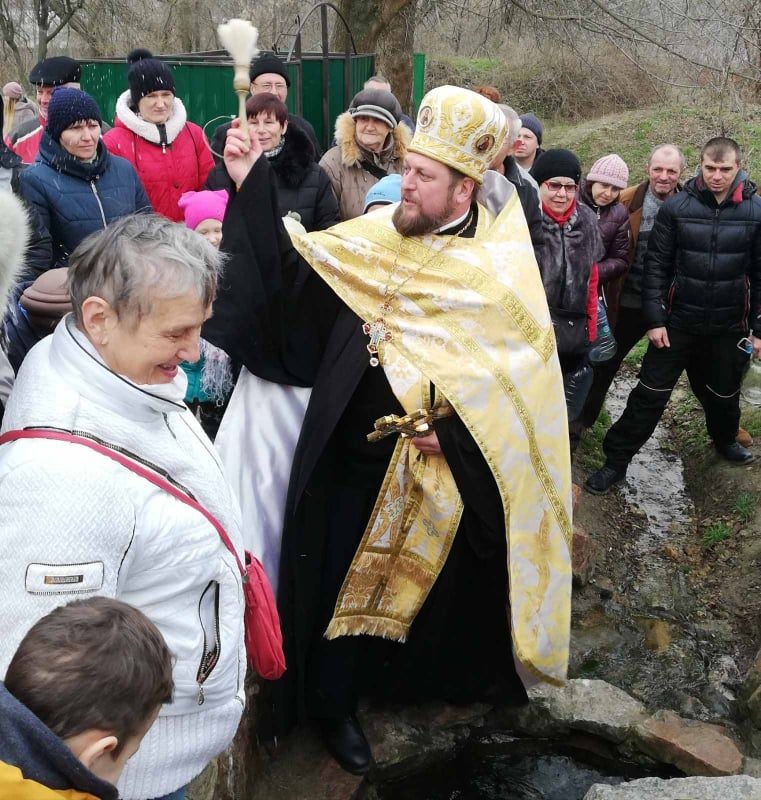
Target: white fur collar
x,y
14,232
147,130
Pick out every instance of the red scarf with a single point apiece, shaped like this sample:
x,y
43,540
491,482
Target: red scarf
x,y
563,218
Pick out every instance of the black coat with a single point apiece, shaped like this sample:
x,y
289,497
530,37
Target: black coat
x,y
303,186
294,121
613,221
529,198
274,314
703,264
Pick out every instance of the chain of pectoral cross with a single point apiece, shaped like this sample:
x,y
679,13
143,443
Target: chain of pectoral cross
x,y
377,329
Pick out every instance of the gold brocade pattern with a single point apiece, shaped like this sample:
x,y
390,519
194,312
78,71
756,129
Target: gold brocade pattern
x,y
410,532
474,322
459,128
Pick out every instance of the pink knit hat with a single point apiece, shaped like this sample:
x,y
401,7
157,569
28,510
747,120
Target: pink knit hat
x,y
198,206
13,91
610,169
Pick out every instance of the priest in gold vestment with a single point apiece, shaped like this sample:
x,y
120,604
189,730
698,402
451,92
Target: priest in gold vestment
x,y
426,542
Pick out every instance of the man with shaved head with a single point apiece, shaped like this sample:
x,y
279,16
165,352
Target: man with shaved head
x,y
624,295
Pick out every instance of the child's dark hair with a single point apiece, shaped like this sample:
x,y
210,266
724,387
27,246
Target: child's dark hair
x,y
92,664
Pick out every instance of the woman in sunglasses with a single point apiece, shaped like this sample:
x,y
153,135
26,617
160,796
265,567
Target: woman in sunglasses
x,y
573,248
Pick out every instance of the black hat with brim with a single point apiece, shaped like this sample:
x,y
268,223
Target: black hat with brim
x,y
55,71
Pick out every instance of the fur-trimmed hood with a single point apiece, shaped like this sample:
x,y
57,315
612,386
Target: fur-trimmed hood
x,y
148,130
351,153
14,234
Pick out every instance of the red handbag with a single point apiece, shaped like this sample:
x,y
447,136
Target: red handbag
x,y
263,638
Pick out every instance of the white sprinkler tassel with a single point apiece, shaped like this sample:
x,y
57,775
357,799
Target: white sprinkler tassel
x,y
239,37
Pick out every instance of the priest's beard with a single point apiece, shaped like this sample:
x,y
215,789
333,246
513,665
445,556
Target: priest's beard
x,y
420,224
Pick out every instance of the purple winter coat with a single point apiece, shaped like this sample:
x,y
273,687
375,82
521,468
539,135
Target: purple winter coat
x,y
616,238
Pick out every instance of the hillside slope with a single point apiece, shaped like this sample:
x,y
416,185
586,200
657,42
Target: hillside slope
x,y
632,134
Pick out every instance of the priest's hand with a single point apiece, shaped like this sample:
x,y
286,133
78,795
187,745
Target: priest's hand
x,y
241,152
429,445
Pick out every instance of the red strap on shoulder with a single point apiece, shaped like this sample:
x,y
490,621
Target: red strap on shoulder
x,y
156,480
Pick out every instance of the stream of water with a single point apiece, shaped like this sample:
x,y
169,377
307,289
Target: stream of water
x,y
654,482
646,638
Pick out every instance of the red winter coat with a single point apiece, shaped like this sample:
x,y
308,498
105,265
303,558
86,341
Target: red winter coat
x,y
166,170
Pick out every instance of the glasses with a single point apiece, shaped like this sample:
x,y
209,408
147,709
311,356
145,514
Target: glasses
x,y
271,87
555,187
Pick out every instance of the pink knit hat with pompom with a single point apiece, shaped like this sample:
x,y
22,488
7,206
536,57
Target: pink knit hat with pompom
x,y
610,169
198,206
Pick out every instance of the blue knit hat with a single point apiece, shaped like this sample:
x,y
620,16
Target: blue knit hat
x,y
387,190
532,123
68,106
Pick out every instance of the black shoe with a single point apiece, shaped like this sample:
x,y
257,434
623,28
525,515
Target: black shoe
x,y
345,741
734,453
601,481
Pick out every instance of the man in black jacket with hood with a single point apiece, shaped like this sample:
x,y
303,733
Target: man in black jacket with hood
x,y
701,290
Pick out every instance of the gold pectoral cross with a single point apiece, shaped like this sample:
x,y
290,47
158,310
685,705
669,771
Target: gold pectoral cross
x,y
378,332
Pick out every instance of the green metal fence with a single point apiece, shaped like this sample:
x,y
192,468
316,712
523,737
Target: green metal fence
x,y
204,84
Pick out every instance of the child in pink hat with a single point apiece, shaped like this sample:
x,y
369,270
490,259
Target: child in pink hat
x,y
204,212
210,379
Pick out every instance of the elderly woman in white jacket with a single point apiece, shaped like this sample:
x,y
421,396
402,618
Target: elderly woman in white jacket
x,y
76,523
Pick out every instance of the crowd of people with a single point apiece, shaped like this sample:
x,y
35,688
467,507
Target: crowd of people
x,y
370,367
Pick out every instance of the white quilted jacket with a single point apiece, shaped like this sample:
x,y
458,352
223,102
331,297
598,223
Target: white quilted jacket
x,y
74,523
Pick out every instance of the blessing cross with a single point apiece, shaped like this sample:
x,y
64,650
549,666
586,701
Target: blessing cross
x,y
378,332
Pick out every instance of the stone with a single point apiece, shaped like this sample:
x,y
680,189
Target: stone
x,y
605,587
657,634
591,706
752,767
696,748
754,707
673,553
741,787
583,561
405,740
751,684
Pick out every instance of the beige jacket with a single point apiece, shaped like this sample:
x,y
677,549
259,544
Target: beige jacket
x,y
342,163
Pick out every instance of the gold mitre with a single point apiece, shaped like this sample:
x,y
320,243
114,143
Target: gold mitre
x,y
459,128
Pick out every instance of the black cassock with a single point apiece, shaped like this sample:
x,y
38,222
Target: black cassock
x,y
274,314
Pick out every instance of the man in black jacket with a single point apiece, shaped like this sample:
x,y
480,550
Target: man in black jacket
x,y
701,283
268,74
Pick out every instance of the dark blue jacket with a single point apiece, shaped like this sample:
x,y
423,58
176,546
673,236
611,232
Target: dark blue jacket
x,y
41,756
75,198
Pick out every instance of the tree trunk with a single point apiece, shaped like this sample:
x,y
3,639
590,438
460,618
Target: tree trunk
x,y
384,27
188,16
43,23
394,54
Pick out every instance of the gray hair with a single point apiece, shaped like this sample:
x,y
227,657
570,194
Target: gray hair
x,y
139,257
513,129
682,159
377,78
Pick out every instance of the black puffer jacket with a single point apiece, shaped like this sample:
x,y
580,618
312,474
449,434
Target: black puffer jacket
x,y
303,186
703,264
613,220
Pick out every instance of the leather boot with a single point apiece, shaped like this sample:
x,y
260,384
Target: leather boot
x,y
345,741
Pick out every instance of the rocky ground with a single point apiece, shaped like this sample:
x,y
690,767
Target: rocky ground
x,y
671,610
